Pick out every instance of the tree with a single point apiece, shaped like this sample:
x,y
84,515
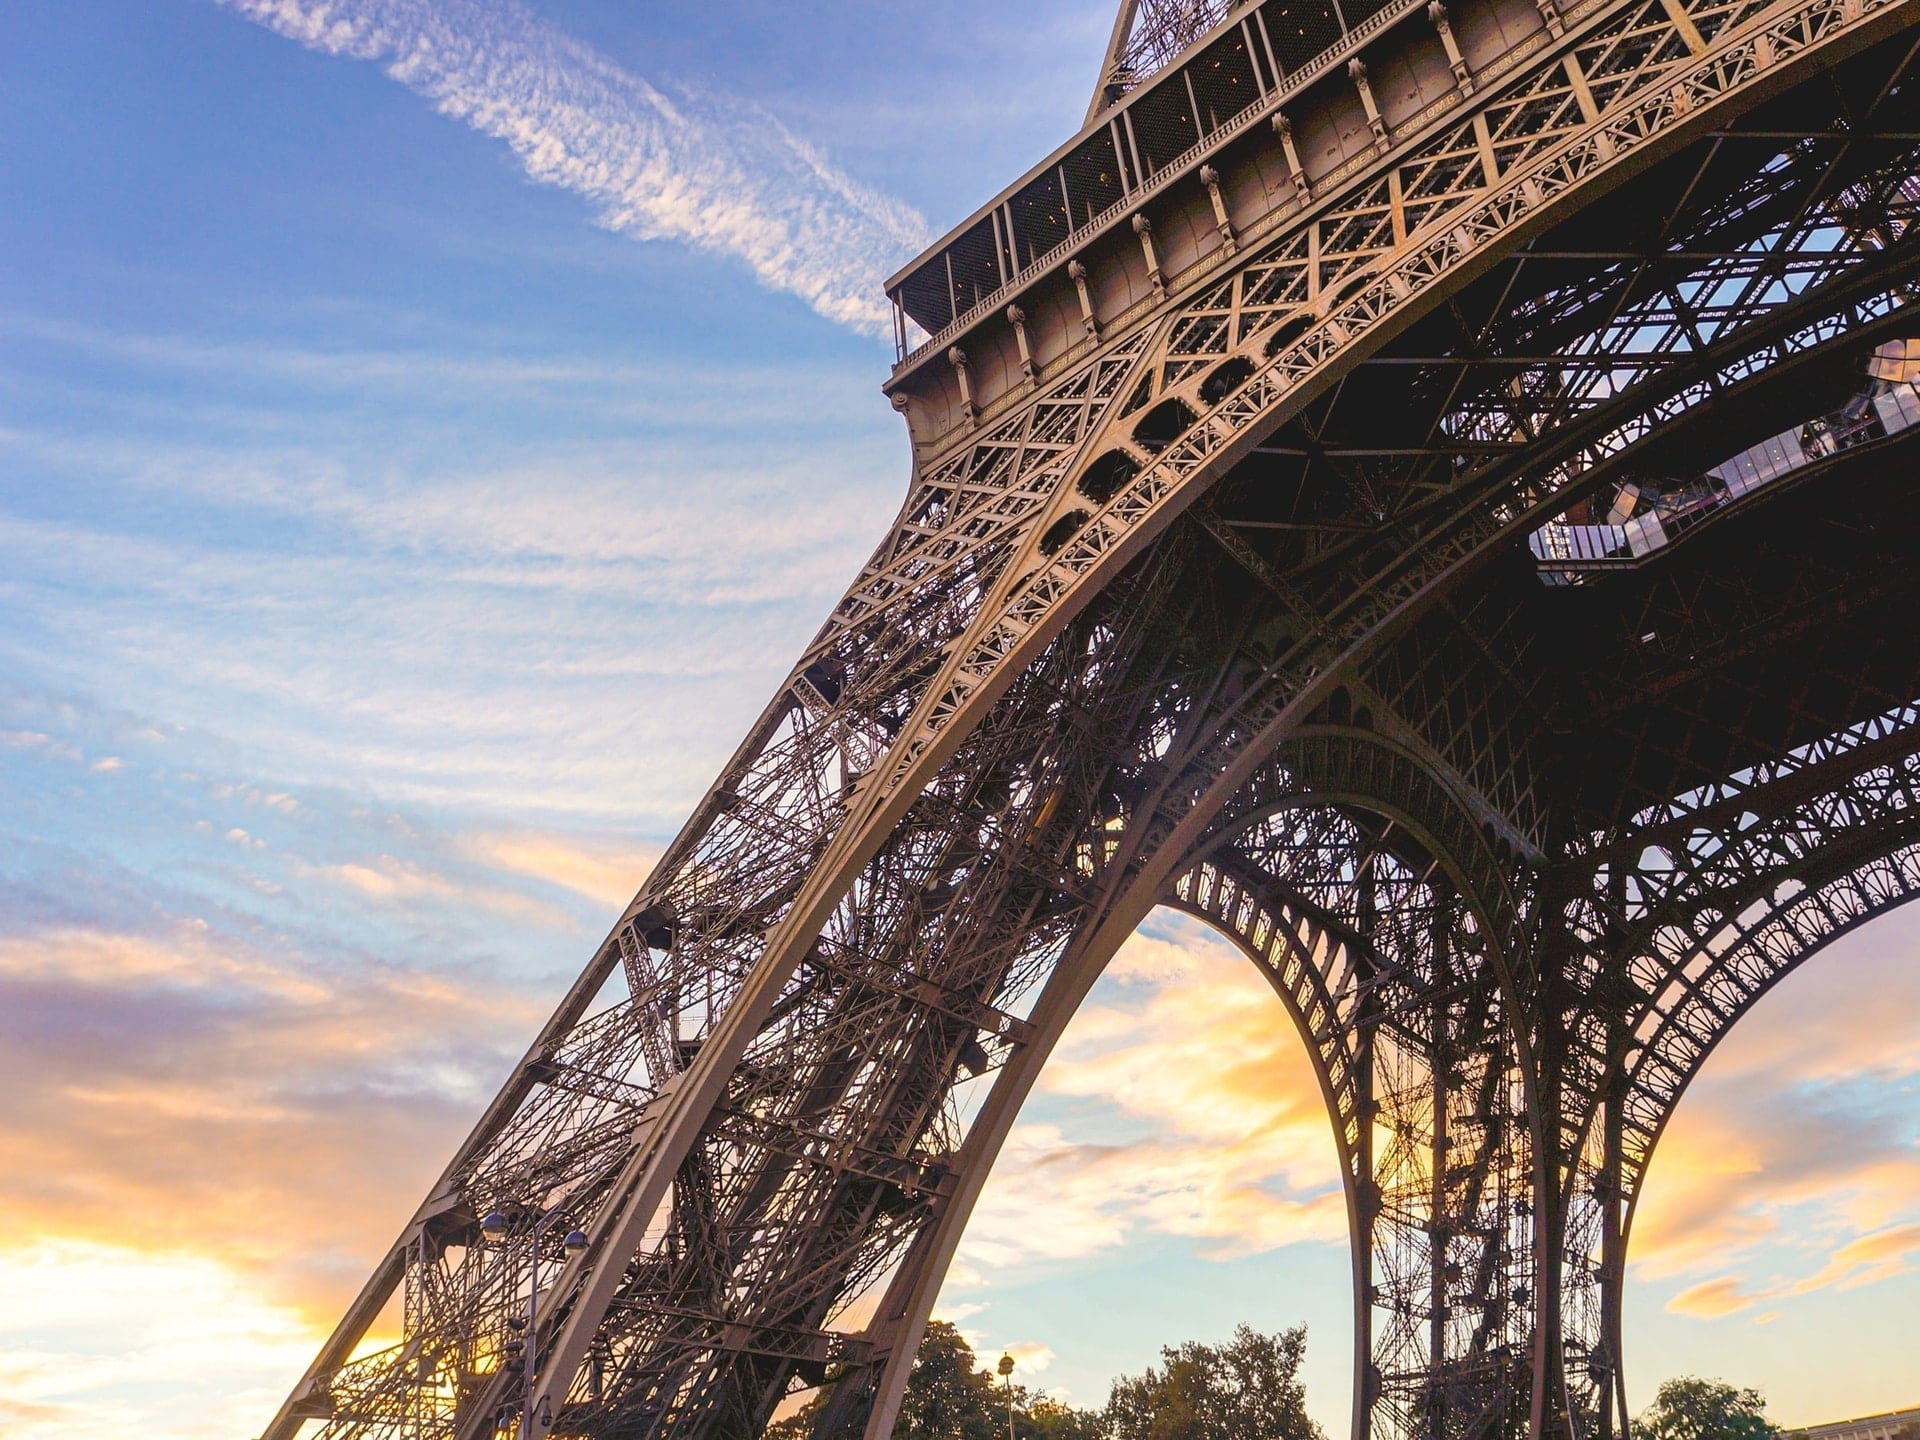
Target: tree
x,y
1693,1409
949,1397
799,1425
1049,1419
1247,1389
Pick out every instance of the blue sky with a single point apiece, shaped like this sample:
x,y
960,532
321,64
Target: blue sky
x,y
428,428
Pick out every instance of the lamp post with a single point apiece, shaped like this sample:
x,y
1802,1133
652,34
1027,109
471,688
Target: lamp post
x,y
497,1226
1006,1378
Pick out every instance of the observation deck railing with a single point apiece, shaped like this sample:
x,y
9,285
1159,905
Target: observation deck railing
x,y
1289,85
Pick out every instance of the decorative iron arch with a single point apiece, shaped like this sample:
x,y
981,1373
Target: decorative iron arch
x,y
1353,993
1768,892
1791,934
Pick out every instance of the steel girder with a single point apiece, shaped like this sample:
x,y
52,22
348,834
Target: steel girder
x,y
1234,611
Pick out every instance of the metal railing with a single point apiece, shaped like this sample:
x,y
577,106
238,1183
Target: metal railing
x,y
1182,164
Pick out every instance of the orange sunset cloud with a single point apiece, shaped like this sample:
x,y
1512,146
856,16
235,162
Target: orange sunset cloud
x,y
1226,1138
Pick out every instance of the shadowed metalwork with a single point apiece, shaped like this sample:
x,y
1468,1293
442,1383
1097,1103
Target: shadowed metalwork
x,y
1424,489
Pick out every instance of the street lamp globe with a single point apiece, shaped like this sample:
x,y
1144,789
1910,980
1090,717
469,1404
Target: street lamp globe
x,y
495,1226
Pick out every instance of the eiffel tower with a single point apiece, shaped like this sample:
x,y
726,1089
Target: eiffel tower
x,y
1426,488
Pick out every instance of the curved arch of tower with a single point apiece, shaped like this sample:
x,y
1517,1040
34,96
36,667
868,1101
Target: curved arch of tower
x,y
1424,487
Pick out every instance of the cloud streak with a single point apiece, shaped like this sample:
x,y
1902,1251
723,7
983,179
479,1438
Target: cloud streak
x,y
729,180
1712,1298
1871,1258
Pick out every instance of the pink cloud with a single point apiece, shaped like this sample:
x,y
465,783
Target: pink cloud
x,y
1791,1154
1861,1262
609,870
1712,1299
184,1094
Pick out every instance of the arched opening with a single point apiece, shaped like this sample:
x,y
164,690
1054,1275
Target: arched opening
x,y
1163,425
1172,1173
1061,531
1776,1239
1302,901
1225,379
1107,476
1288,331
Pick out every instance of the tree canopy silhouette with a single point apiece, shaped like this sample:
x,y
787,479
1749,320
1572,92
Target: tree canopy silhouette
x,y
1688,1408
949,1397
1247,1389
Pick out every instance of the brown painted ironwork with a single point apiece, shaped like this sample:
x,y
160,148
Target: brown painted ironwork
x,y
1234,575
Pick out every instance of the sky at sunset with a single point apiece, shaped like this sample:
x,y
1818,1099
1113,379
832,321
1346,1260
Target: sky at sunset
x,y
428,429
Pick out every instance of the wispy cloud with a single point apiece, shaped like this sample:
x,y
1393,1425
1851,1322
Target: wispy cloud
x,y
101,1340
1864,1261
1879,1256
728,178
1712,1298
609,870
536,618
1030,1356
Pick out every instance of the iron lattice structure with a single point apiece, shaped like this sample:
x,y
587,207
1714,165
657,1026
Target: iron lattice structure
x,y
1427,492
1147,35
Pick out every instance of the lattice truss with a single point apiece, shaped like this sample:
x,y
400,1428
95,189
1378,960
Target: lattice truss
x,y
1238,615
1387,972
1149,33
